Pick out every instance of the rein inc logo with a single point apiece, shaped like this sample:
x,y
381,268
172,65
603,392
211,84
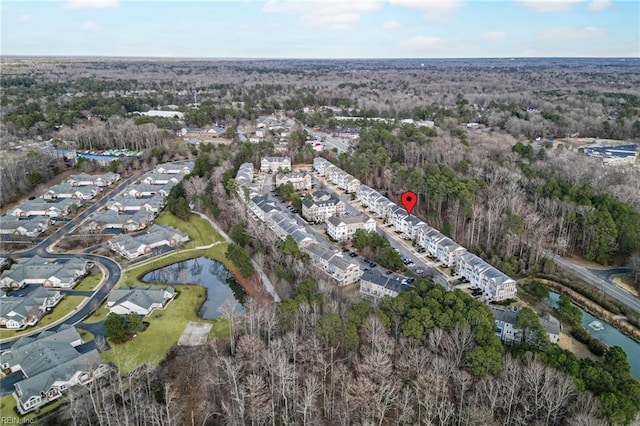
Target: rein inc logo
x,y
11,420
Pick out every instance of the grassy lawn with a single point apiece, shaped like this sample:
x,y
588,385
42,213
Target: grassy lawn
x,y
199,230
86,335
89,282
62,309
9,413
164,330
100,314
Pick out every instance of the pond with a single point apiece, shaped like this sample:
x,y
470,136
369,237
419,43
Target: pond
x,y
210,274
608,335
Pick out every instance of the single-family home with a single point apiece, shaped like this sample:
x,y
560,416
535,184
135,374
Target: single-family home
x,y
506,325
42,208
300,181
129,203
320,211
376,285
343,228
30,227
60,273
157,178
51,364
146,190
132,247
111,219
20,312
139,300
274,164
175,168
66,190
85,179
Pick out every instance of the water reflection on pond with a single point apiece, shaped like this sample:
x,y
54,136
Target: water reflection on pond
x,y
212,275
608,335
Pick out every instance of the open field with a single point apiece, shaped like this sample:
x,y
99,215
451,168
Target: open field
x,y
198,229
165,327
67,305
89,282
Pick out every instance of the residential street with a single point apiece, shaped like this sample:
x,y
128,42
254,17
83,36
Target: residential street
x,y
112,268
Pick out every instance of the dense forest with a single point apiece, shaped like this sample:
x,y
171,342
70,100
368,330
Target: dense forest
x,y
322,356
427,357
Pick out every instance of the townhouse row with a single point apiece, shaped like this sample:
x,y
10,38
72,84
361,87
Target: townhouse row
x,y
343,271
495,284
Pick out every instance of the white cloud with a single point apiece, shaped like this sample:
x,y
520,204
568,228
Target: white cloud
x,y
90,4
565,34
26,18
597,5
549,5
91,26
391,25
420,44
329,14
494,36
435,10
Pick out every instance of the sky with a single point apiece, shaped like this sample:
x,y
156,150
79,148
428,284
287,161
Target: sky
x,y
321,28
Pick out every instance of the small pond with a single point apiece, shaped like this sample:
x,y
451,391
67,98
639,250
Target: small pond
x,y
608,335
212,275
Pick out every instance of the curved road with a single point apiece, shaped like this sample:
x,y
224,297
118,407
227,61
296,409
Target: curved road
x,y
114,271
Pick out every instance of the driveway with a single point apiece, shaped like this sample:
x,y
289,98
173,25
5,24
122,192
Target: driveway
x,y
7,383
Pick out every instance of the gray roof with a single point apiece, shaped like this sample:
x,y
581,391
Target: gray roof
x,y
39,268
139,296
349,220
63,370
504,315
329,202
39,354
550,324
392,283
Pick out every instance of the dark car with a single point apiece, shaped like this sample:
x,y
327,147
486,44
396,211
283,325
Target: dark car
x,y
352,254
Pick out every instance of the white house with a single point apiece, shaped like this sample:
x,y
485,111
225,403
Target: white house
x,y
157,178
50,364
272,164
320,165
65,190
495,284
508,333
377,286
447,251
42,208
343,228
262,208
300,181
132,247
344,271
31,227
60,273
84,179
320,211
175,168
141,301
19,312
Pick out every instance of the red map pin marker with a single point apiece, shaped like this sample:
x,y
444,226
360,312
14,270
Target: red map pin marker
x,y
409,200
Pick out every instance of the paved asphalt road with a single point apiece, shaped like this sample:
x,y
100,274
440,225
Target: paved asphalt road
x,y
600,279
113,269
